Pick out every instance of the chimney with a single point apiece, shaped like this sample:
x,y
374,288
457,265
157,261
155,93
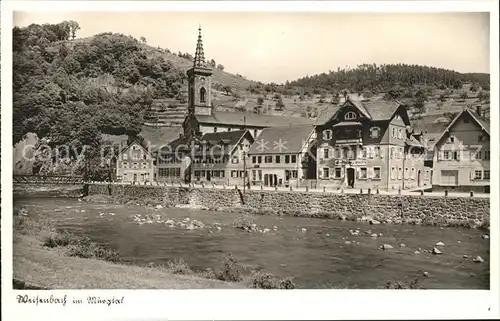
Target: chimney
x,y
479,111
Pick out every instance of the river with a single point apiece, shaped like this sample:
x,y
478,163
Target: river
x,y
318,257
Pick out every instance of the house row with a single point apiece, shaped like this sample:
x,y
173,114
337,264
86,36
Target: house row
x,y
356,144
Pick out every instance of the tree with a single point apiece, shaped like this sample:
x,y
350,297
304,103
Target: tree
x,y
227,89
464,95
280,104
212,63
420,104
260,101
74,27
143,40
220,67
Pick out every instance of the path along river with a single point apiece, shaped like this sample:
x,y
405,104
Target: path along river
x,y
318,257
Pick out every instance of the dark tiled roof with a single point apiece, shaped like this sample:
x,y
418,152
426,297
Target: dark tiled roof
x,y
348,123
256,120
380,109
281,140
485,124
225,142
326,114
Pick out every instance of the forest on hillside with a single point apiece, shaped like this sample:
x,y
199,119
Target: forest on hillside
x,y
71,94
372,79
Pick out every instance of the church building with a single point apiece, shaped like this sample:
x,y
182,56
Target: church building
x,y
203,119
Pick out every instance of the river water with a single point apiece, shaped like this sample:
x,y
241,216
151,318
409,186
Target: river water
x,y
317,257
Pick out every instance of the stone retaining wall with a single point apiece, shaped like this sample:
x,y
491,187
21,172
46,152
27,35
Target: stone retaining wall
x,y
415,209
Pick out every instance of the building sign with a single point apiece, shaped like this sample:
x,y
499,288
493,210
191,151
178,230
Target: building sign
x,y
353,162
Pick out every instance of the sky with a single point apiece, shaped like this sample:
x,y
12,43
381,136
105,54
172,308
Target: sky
x,y
275,47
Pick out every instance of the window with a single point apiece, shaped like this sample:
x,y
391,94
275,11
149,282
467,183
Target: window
x,y
287,159
229,129
259,159
235,160
254,175
413,173
362,173
326,172
394,132
327,134
376,152
364,152
406,173
455,156
374,132
326,153
215,129
234,174
350,115
452,139
268,159
294,159
486,155
446,155
479,155
400,173
125,156
338,172
337,153
125,165
294,173
393,173
376,173
255,133
486,174
203,93
254,159
478,174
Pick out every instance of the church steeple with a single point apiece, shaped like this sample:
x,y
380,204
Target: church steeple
x,y
199,56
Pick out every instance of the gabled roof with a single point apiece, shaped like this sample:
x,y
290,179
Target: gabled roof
x,y
250,119
327,114
282,140
134,142
227,141
376,110
481,122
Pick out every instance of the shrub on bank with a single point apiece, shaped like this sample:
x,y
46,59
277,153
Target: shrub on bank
x,y
264,280
404,285
178,267
230,271
244,222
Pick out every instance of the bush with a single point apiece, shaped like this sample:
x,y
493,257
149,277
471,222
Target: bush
x,y
403,285
88,250
178,267
230,271
264,280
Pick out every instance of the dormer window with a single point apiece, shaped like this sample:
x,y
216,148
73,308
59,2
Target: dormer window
x,y
350,115
374,132
327,134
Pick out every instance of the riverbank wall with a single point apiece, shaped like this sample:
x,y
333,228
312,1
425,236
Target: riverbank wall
x,y
47,190
414,209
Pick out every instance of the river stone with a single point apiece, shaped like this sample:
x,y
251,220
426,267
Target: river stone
x,y
485,236
347,242
327,234
303,229
426,274
266,230
416,252
436,251
402,245
439,244
386,247
478,259
380,234
275,227
465,256
374,222
374,235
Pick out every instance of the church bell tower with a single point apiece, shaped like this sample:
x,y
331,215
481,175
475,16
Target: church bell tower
x,y
199,83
